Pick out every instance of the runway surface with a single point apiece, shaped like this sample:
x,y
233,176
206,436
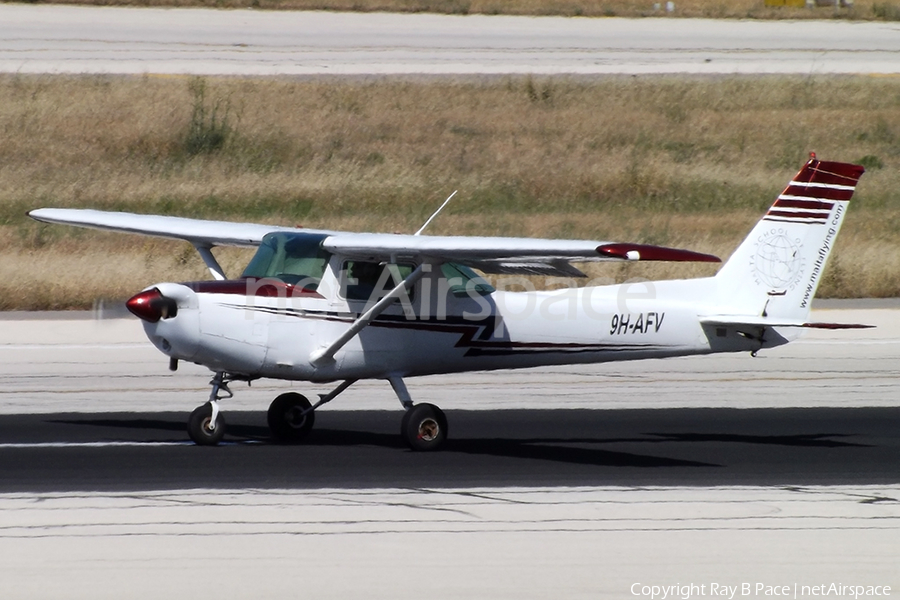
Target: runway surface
x,y
70,39
88,405
516,448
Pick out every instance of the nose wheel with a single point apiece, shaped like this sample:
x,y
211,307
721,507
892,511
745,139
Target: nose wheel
x,y
206,425
203,429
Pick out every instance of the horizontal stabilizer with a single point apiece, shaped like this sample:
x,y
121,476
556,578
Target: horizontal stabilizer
x,y
756,321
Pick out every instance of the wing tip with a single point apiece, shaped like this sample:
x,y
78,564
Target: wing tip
x,y
35,214
623,251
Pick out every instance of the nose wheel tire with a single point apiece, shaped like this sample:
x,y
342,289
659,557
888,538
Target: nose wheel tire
x,y
424,427
199,426
287,420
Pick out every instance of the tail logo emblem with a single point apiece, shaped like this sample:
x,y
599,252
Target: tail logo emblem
x,y
777,262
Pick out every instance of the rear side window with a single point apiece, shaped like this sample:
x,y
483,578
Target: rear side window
x,y
369,281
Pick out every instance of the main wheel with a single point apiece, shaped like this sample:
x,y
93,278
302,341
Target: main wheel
x,y
286,419
199,429
424,427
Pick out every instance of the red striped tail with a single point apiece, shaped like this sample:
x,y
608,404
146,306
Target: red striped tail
x,y
777,269
811,196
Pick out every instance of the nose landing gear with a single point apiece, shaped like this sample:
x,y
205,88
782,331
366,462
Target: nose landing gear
x,y
206,426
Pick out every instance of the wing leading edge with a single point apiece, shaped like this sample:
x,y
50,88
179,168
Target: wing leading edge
x,y
205,234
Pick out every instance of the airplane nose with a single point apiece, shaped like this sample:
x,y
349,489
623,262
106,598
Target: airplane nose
x,y
151,306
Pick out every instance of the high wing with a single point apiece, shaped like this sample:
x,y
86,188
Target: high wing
x,y
206,234
490,254
501,254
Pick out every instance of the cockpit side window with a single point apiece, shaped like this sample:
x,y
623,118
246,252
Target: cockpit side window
x,y
294,258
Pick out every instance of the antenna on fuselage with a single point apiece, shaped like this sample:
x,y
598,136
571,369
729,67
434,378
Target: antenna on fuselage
x,y
422,228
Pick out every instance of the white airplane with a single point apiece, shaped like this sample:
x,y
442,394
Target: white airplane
x,y
325,306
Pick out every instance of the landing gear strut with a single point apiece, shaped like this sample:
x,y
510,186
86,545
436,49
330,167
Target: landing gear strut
x,y
205,425
291,416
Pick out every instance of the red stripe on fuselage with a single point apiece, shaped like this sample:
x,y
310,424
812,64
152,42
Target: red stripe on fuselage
x,y
266,288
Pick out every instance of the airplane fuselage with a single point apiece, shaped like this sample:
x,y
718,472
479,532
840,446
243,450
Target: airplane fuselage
x,y
225,327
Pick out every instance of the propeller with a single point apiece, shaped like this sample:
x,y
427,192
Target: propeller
x,y
151,306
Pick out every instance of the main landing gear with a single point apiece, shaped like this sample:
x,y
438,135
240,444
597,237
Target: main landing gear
x,y
291,416
424,426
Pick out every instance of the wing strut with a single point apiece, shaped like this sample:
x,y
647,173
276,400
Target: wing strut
x,y
422,228
323,355
211,263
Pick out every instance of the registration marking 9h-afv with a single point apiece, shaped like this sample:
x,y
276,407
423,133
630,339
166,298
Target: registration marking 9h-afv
x,y
636,323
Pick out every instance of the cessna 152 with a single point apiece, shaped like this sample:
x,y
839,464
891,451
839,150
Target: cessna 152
x,y
324,306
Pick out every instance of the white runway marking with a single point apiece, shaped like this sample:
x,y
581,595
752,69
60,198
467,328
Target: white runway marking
x,y
4,446
41,347
112,444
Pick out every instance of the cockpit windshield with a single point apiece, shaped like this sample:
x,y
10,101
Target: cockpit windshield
x,y
294,258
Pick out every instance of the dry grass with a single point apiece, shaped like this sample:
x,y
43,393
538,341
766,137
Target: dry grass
x,y
685,161
717,9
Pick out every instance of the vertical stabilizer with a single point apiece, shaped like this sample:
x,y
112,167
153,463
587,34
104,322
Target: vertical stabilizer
x,y
776,270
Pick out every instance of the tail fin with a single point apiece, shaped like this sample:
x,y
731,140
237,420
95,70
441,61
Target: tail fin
x,y
776,270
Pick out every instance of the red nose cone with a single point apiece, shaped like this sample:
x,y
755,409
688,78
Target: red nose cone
x,y
151,306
